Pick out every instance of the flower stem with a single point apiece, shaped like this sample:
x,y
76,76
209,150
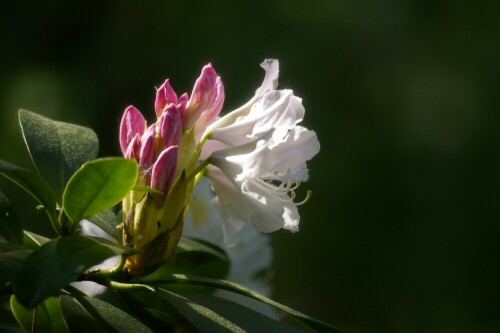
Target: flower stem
x,y
128,286
198,169
106,273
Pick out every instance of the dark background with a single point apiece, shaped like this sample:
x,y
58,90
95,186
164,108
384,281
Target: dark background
x,y
401,234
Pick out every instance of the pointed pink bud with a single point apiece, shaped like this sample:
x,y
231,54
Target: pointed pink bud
x,y
170,126
163,173
209,116
165,95
133,148
182,101
132,123
147,150
207,97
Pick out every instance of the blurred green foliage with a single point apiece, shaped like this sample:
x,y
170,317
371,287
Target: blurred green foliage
x,y
401,234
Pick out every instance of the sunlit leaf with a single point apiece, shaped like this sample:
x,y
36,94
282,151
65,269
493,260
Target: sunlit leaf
x,y
32,240
98,185
48,316
211,313
57,263
8,322
10,226
57,149
111,317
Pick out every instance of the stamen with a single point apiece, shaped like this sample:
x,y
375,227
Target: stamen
x,y
308,195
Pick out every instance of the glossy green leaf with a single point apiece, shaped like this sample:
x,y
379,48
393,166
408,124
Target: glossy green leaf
x,y
211,313
195,257
156,309
33,241
57,149
35,186
111,317
187,244
10,226
8,323
97,186
48,317
57,263
77,318
108,221
11,257
201,317
242,290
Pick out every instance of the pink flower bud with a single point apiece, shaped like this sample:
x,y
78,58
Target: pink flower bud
x,y
133,148
163,173
206,99
182,101
132,123
170,126
147,151
165,95
206,118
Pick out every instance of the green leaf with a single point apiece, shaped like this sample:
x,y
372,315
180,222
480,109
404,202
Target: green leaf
x,y
10,227
156,309
11,257
194,257
211,313
57,263
111,317
77,318
242,290
98,185
33,241
201,317
108,221
48,316
187,244
8,323
34,185
57,149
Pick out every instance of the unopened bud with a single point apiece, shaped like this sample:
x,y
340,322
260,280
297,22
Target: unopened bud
x,y
132,123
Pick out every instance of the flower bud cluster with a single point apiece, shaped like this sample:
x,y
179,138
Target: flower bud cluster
x,y
165,152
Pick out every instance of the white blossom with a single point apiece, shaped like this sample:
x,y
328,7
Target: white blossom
x,y
259,159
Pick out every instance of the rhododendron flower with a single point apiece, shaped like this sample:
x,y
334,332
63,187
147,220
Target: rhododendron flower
x,y
261,159
254,157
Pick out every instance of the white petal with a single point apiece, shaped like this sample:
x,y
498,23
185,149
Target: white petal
x,y
299,146
279,110
232,225
230,203
291,217
272,68
270,158
270,83
209,147
267,205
